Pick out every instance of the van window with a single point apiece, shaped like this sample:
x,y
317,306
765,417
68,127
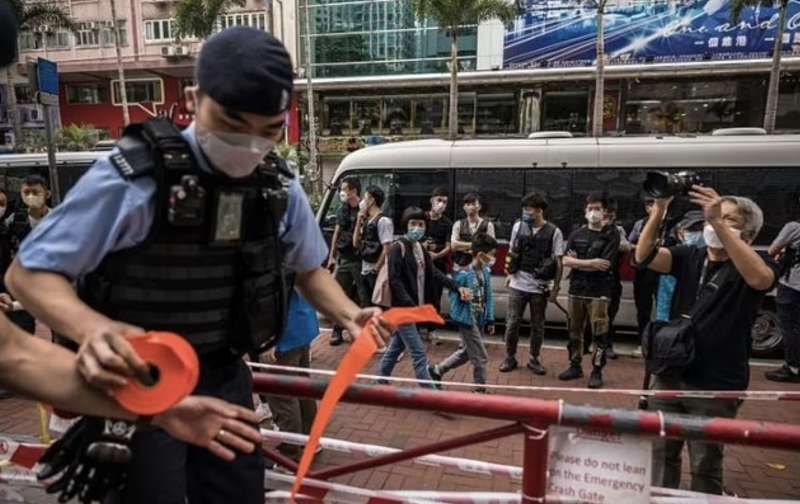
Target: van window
x,y
775,190
414,188
556,187
500,190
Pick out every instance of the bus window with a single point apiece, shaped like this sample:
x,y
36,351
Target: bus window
x,y
775,190
414,189
500,190
381,179
556,187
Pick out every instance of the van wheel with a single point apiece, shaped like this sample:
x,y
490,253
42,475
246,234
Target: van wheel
x,y
767,336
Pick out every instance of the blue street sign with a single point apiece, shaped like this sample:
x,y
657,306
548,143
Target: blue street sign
x,y
47,74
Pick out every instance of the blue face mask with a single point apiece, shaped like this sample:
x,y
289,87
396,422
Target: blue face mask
x,y
415,233
693,238
527,218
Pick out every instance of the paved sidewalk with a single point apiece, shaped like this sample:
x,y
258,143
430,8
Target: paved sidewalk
x,y
750,472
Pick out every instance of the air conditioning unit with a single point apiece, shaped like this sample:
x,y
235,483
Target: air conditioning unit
x,y
168,51
181,50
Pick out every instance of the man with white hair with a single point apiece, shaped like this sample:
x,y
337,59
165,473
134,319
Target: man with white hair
x,y
727,280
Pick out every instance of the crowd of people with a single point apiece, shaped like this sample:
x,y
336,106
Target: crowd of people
x,y
703,268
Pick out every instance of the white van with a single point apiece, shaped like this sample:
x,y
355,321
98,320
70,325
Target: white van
x,y
70,166
566,170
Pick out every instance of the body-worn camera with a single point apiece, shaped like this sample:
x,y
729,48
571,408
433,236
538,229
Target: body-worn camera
x,y
664,185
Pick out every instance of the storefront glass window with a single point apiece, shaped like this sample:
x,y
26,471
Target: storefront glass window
x,y
496,114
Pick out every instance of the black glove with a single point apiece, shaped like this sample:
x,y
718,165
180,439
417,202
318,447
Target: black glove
x,y
90,460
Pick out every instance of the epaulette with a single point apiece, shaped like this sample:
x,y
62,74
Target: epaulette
x,y
135,156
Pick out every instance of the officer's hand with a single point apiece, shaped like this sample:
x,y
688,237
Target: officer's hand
x,y
211,423
599,264
106,359
382,329
6,303
270,356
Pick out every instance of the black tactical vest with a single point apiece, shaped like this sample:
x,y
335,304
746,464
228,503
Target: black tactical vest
x,y
536,251
464,235
371,246
344,244
211,268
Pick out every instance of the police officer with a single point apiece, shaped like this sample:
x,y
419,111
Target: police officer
x,y
188,232
591,251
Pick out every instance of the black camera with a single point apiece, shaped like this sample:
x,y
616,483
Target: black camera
x,y
664,185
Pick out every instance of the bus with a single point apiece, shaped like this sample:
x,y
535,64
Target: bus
x,y
565,170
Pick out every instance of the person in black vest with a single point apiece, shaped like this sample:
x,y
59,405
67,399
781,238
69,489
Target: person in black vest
x,y
373,238
466,228
726,280
34,194
534,275
343,254
201,233
591,251
437,243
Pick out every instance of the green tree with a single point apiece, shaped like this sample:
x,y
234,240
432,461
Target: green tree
x,y
773,88
198,18
453,16
32,15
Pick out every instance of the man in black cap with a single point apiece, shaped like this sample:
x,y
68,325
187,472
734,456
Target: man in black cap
x,y
201,233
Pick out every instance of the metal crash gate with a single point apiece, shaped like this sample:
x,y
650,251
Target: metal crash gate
x,y
527,416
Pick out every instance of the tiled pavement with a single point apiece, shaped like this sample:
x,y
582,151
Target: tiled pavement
x,y
749,472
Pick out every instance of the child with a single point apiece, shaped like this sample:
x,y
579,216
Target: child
x,y
472,317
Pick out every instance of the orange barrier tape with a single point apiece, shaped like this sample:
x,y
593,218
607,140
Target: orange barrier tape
x,y
353,362
176,375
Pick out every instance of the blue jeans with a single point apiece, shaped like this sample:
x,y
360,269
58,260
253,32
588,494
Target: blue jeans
x,y
407,338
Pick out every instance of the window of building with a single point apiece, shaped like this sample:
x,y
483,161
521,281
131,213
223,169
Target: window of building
x,y
87,94
140,91
107,34
429,117
496,114
397,116
159,30
59,39
251,19
336,117
87,34
367,115
24,94
30,41
789,103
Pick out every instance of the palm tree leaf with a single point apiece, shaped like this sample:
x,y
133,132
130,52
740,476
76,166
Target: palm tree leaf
x,y
198,18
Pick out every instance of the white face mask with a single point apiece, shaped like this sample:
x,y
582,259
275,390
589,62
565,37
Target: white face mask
x,y
438,207
235,154
343,196
594,216
35,201
692,237
363,205
712,239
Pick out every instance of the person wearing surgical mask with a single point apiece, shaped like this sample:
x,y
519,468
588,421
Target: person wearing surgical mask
x,y
466,228
592,251
412,276
34,194
198,232
729,277
437,242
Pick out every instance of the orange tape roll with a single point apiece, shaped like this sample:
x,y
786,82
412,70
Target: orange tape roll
x,y
175,372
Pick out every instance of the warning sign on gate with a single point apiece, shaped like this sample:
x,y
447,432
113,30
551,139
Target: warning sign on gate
x,y
598,467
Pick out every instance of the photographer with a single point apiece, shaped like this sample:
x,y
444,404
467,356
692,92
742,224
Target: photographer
x,y
727,279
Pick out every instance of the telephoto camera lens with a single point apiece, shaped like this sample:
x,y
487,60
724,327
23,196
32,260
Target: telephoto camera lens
x,y
664,185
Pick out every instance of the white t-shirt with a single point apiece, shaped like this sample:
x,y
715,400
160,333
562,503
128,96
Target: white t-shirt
x,y
456,234
31,220
526,282
386,236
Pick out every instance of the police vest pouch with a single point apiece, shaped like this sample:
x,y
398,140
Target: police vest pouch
x,y
668,347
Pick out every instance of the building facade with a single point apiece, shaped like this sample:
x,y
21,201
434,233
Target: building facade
x,y
157,67
673,67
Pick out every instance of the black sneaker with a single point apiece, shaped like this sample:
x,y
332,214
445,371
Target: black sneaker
x,y
480,390
784,374
596,379
508,365
435,376
535,366
572,373
611,354
336,338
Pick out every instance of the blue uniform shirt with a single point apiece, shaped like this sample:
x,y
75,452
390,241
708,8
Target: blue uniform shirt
x,y
105,213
